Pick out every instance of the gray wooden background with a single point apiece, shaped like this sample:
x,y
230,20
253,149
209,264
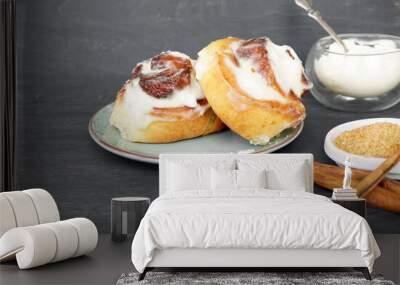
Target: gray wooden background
x,y
74,55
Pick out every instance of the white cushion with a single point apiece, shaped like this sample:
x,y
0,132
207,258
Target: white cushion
x,y
282,174
26,208
7,218
288,178
223,179
251,178
67,237
231,180
40,244
23,208
32,246
183,178
46,207
186,175
87,233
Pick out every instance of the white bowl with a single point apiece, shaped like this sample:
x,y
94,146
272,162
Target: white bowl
x,y
358,161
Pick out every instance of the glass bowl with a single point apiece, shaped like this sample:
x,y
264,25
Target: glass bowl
x,y
355,81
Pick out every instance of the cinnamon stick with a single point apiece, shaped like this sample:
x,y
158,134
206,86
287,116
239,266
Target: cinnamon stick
x,y
330,176
391,185
357,176
369,182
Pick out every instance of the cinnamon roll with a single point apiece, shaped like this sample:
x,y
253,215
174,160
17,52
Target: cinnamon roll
x,y
254,86
162,102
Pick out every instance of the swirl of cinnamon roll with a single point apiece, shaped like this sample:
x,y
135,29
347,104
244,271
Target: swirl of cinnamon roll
x,y
162,102
254,86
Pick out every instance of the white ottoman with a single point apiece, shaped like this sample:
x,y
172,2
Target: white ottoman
x,y
31,230
26,208
40,244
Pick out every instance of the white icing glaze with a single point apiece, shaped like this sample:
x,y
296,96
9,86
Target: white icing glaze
x,y
140,104
369,68
288,73
251,81
203,63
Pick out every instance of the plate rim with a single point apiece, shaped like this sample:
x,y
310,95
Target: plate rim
x,y
117,151
153,159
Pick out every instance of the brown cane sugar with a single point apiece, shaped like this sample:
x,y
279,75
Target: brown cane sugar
x,y
377,140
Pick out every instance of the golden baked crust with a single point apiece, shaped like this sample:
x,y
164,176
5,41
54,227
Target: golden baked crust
x,y
165,131
255,120
175,124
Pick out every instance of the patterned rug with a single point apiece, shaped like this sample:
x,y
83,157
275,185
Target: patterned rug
x,y
243,278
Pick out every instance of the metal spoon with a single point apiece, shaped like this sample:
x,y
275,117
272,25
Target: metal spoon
x,y
307,5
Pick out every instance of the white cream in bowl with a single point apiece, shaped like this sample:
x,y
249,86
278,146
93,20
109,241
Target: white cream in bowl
x,y
369,68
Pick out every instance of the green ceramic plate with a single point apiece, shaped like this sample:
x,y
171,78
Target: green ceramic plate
x,y
108,137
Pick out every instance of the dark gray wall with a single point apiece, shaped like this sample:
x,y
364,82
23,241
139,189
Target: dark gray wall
x,y
74,55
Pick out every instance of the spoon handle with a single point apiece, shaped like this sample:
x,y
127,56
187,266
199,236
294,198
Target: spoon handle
x,y
317,17
307,5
